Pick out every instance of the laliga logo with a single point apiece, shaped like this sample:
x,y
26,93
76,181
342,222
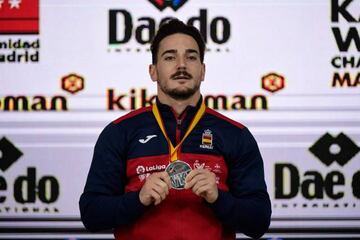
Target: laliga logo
x,y
144,172
140,170
162,4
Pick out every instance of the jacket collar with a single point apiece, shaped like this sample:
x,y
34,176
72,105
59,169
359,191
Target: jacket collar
x,y
189,110
173,124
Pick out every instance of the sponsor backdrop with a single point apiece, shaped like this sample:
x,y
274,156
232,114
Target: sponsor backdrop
x,y
289,70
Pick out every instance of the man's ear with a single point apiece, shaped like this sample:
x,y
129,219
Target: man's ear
x,y
153,72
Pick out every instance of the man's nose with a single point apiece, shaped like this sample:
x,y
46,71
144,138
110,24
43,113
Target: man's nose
x,y
181,62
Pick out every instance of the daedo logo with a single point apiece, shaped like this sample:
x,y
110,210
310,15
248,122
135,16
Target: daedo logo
x,y
28,188
316,185
125,29
19,17
329,149
162,4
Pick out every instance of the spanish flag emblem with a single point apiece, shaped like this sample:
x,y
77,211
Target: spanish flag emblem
x,y
207,138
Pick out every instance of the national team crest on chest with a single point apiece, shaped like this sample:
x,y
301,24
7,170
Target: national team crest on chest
x,y
207,139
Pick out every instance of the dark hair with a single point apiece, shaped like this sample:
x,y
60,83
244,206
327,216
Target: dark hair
x,y
176,26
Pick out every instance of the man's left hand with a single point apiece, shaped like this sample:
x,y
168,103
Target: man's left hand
x,y
203,183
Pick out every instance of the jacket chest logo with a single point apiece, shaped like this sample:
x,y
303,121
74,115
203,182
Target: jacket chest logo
x,y
144,171
148,138
207,139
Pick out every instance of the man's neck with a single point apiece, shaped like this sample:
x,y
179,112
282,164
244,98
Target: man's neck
x,y
179,105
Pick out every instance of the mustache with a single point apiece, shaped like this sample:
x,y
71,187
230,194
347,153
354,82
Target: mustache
x,y
181,74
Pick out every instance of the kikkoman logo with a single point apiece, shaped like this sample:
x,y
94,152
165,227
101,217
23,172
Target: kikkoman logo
x,y
272,82
162,4
136,98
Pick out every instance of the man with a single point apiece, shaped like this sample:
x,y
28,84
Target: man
x,y
177,169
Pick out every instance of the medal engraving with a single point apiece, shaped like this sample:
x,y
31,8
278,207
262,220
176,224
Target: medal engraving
x,y
178,171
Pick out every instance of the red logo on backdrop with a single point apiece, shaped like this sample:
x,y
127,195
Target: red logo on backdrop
x,y
19,16
72,83
162,4
272,82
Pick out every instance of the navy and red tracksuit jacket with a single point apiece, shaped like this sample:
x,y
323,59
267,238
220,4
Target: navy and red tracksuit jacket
x,y
133,146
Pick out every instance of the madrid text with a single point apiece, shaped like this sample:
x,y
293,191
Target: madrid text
x,y
345,22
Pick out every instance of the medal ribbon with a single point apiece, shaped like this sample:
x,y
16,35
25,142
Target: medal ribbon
x,y
173,150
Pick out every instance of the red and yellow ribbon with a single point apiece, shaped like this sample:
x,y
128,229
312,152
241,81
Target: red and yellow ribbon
x,y
174,150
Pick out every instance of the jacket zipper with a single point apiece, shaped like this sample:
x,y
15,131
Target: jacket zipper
x,y
178,130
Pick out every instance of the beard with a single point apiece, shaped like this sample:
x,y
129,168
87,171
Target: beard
x,y
180,94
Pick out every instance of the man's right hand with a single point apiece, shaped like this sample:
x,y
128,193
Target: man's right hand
x,y
155,189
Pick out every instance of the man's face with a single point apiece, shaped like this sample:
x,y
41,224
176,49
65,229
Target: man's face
x,y
178,70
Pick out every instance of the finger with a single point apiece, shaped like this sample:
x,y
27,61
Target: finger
x,y
196,172
159,190
202,190
163,185
192,174
155,196
199,184
195,179
163,180
166,178
160,176
163,176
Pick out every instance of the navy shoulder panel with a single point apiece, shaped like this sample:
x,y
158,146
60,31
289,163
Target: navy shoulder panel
x,y
132,114
223,117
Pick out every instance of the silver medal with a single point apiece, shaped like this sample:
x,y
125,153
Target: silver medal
x,y
178,170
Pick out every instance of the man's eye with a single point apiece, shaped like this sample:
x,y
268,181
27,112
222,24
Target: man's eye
x,y
169,58
192,57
